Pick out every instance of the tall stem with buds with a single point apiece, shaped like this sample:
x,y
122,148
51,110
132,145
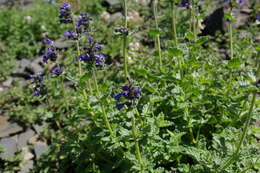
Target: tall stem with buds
x,y
157,37
125,40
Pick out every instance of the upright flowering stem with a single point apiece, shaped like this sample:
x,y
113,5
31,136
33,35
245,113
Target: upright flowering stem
x,y
157,37
125,40
137,150
230,28
78,53
194,20
104,114
246,125
174,19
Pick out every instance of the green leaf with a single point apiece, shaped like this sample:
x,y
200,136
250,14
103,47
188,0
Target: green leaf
x,y
189,36
153,32
86,76
175,52
230,17
234,63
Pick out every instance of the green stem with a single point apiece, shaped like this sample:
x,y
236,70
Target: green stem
x,y
246,126
174,19
104,114
63,92
137,150
125,40
79,62
231,39
157,37
194,20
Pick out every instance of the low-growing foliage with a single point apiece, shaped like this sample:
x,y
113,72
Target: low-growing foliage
x,y
107,116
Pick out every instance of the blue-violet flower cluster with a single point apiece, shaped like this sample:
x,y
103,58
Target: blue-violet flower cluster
x,y
128,95
92,55
65,13
39,87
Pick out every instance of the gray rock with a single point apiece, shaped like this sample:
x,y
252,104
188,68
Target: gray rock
x,y
40,149
8,82
35,65
113,2
27,155
38,128
10,147
7,128
24,137
27,166
21,66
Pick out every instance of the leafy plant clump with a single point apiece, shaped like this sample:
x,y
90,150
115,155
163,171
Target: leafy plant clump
x,y
174,106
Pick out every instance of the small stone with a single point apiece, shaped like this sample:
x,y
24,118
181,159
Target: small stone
x,y
113,2
36,141
35,65
8,82
9,144
116,16
27,155
24,137
38,128
27,166
105,15
135,17
40,149
7,128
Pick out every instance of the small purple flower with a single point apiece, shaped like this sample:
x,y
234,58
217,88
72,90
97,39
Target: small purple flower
x,y
48,41
117,96
184,3
71,35
137,92
50,54
57,70
65,13
122,31
39,87
130,93
100,60
90,40
83,22
36,93
119,106
98,47
83,57
230,1
258,17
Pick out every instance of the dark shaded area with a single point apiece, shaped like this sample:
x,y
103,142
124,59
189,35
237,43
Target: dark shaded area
x,y
213,23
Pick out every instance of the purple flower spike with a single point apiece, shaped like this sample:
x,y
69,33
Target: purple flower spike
x,y
48,41
90,40
100,60
130,94
98,47
119,106
71,35
137,92
83,22
57,70
117,96
184,3
258,17
50,54
65,13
